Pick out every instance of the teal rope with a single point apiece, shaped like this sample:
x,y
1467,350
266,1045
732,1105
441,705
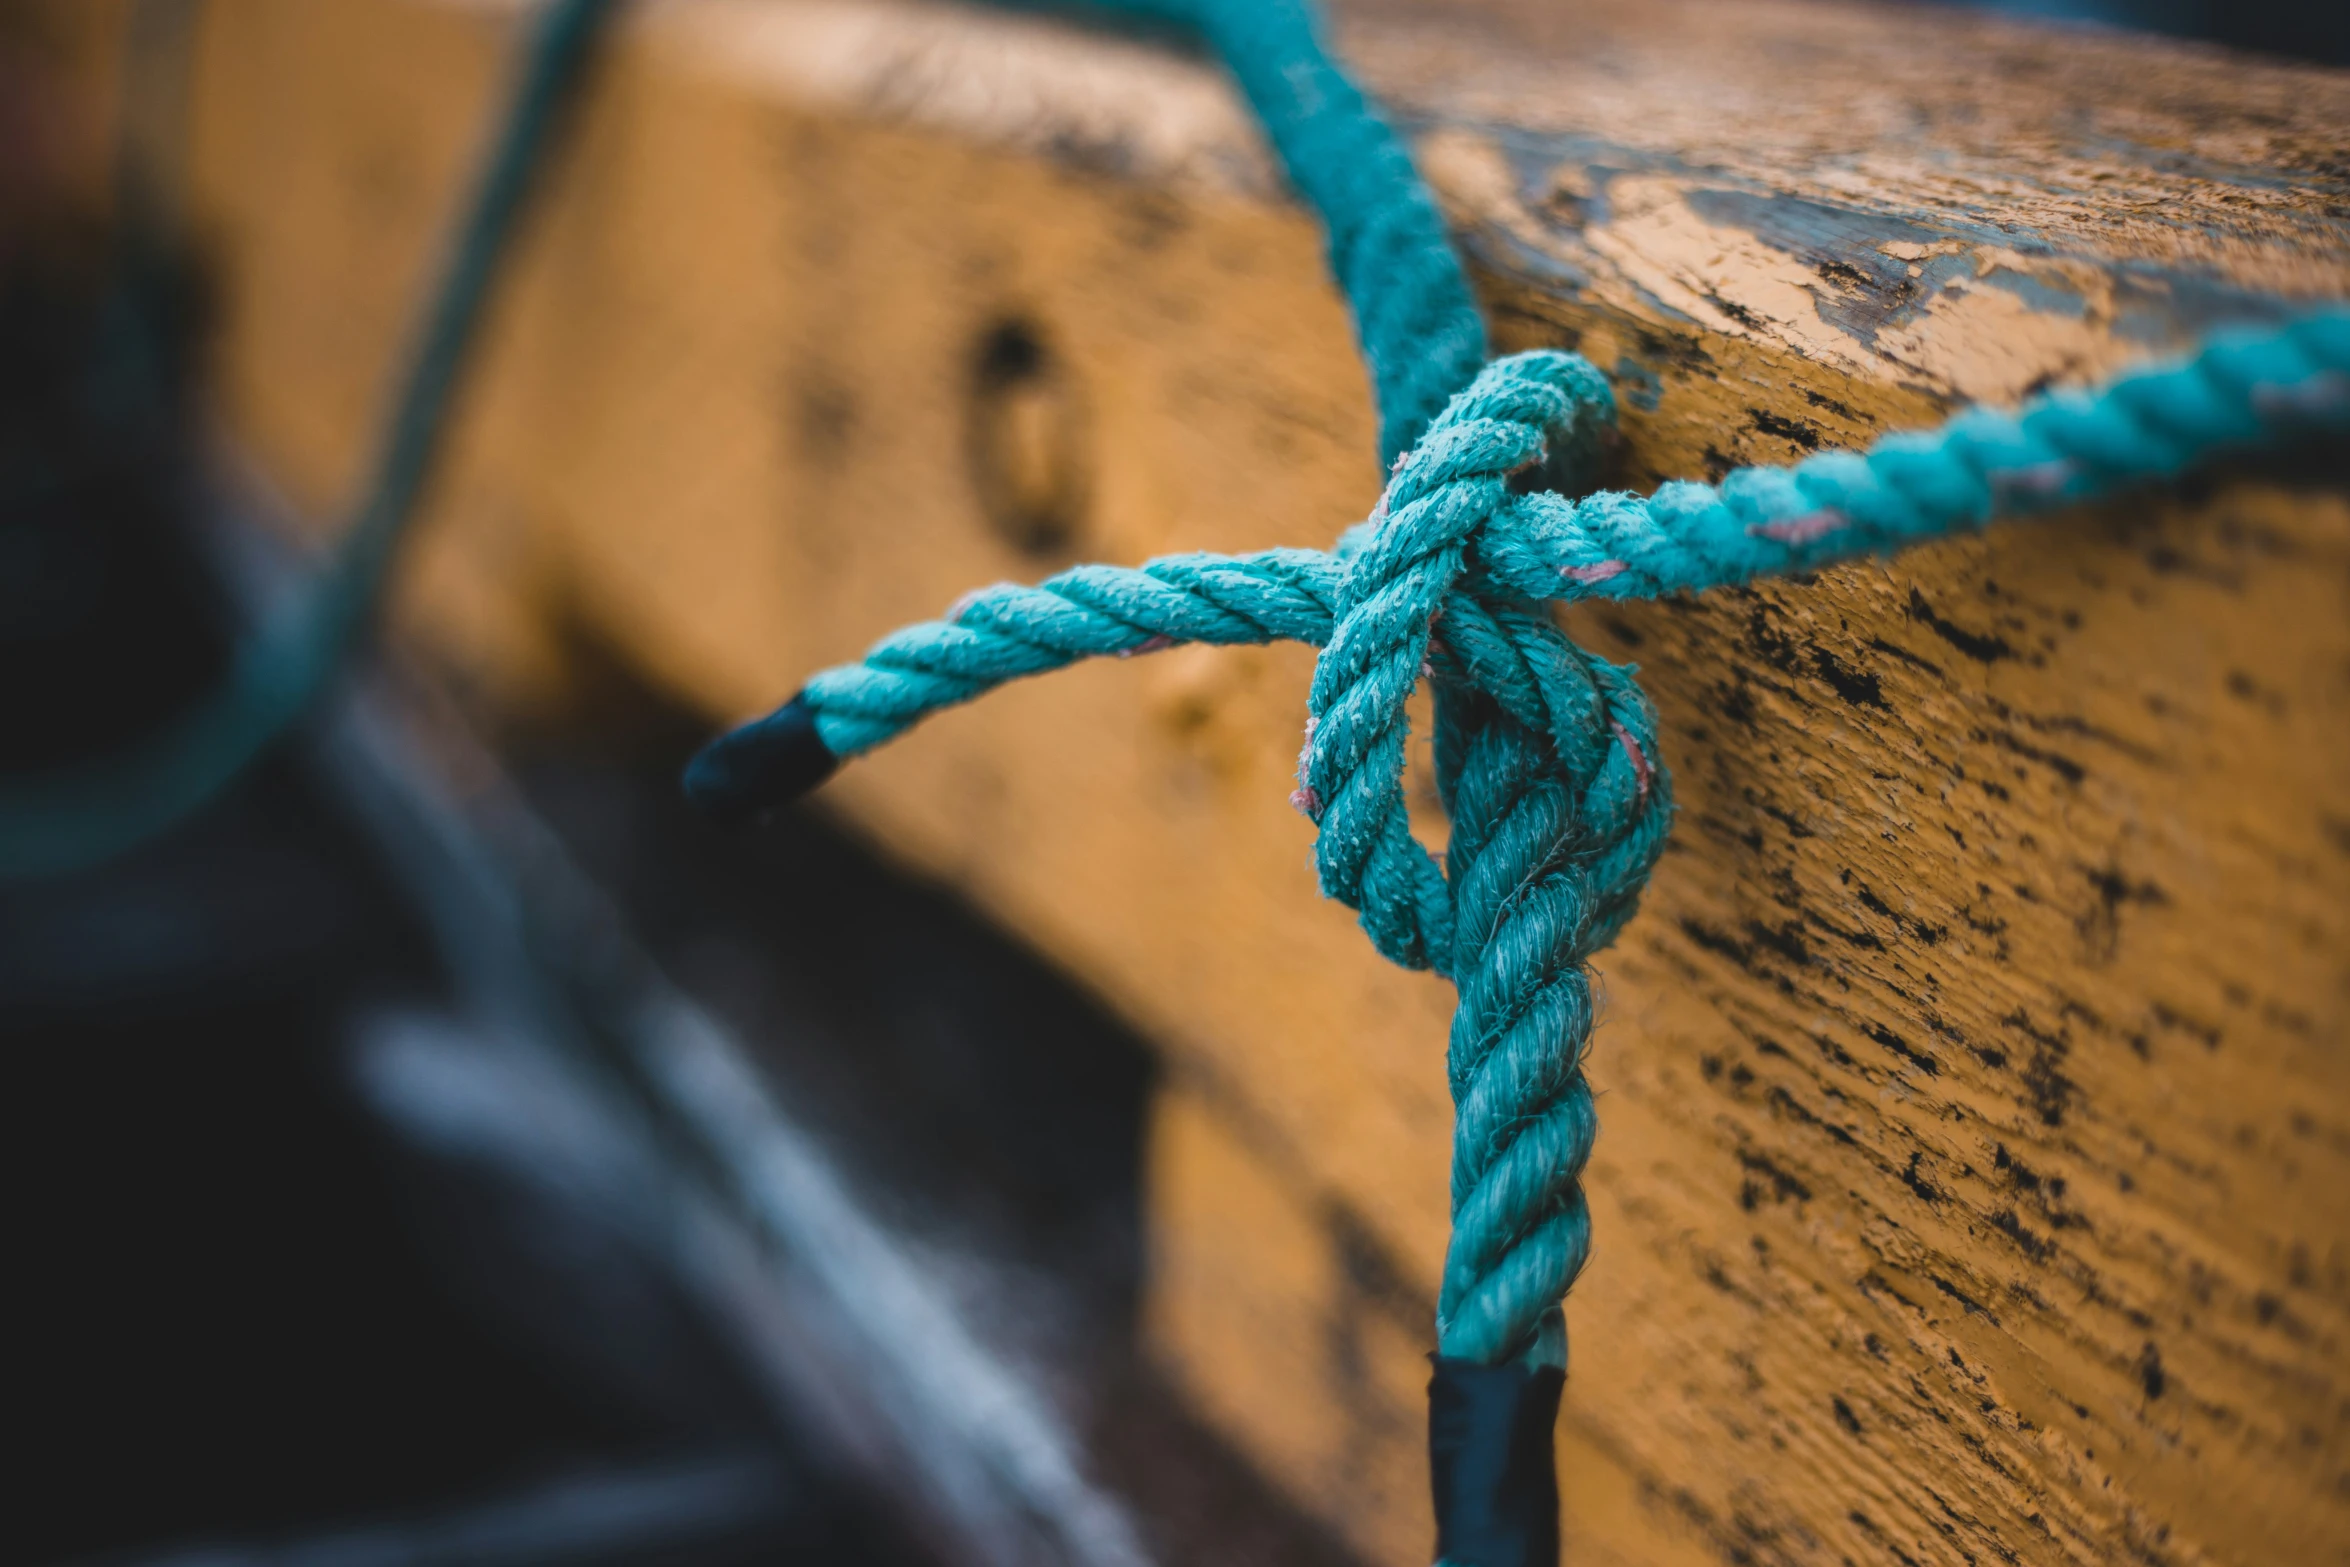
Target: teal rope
x,y
1546,755
2243,391
84,816
1415,317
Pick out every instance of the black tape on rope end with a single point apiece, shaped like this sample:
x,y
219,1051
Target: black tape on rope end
x,y
765,762
1489,1452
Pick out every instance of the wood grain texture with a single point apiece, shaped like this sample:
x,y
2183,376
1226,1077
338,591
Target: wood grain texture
x,y
1973,1082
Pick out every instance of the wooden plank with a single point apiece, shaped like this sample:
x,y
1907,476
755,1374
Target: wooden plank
x,y
1972,1084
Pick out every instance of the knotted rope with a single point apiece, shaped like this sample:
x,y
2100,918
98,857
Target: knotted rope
x,y
1546,755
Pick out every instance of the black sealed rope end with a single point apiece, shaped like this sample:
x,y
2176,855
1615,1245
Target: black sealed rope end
x,y
765,762
1489,1452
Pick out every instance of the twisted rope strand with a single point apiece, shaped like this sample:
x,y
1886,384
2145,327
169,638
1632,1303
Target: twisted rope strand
x,y
1415,317
1004,632
2244,391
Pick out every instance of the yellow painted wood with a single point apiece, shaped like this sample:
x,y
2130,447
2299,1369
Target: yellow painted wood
x,y
1973,1084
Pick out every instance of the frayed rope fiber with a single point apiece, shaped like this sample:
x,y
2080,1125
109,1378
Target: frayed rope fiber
x,y
1546,756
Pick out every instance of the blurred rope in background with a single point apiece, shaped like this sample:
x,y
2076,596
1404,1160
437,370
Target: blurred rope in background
x,y
84,815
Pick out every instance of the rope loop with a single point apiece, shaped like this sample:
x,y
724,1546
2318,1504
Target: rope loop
x,y
1413,600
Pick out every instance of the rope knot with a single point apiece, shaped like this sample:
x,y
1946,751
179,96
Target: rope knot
x,y
1420,562
1546,762
1546,756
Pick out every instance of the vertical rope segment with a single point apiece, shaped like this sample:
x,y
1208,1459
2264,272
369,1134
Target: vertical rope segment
x,y
1415,317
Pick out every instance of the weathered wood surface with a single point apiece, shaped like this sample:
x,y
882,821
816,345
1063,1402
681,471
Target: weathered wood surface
x,y
1975,1102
